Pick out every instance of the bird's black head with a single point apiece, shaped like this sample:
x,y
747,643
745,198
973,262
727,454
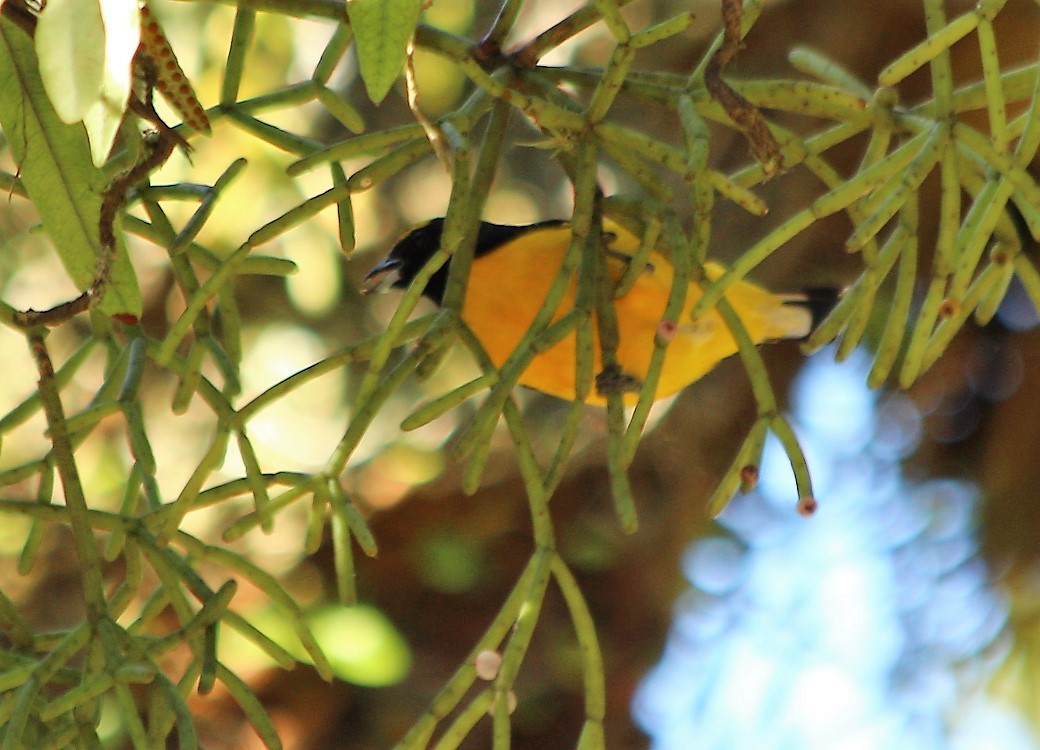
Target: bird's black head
x,y
407,258
412,252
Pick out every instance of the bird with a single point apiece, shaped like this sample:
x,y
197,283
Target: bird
x,y
514,267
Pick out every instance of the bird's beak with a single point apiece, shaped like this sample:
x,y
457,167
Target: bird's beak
x,y
382,277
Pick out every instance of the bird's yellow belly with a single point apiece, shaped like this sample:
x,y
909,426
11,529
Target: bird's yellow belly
x,y
500,308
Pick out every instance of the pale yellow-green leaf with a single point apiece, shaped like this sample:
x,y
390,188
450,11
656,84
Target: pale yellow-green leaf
x,y
382,29
122,19
362,645
70,44
54,163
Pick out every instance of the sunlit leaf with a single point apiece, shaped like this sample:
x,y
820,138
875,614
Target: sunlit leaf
x,y
122,21
382,29
70,44
55,167
362,645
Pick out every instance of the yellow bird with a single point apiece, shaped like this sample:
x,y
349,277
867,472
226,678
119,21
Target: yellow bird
x,y
514,266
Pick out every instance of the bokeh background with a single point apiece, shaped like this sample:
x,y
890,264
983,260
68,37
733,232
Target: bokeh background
x,y
905,614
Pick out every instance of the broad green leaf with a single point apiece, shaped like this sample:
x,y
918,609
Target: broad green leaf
x,y
70,44
54,163
122,19
382,29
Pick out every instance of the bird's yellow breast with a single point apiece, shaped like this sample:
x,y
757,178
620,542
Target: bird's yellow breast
x,y
508,285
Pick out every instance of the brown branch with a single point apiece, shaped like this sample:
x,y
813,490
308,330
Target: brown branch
x,y
65,463
53,316
529,54
744,114
113,199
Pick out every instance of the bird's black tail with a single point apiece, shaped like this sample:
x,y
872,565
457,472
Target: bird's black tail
x,y
819,301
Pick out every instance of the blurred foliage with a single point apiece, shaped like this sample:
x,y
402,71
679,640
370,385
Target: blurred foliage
x,y
205,445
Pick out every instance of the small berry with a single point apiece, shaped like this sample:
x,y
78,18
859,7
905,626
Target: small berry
x,y
510,704
487,664
807,506
748,478
667,330
948,308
